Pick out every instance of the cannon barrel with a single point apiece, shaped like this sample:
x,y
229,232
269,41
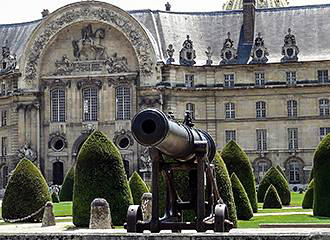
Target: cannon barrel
x,y
153,128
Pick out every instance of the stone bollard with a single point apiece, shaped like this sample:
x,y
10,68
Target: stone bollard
x,y
100,214
48,218
146,206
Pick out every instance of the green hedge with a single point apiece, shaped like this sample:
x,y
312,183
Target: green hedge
x,y
138,187
274,177
66,191
26,193
311,176
272,199
281,171
224,186
321,205
309,195
243,206
55,198
100,173
238,162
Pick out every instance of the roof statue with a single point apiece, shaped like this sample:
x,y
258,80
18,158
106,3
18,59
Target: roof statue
x,y
238,4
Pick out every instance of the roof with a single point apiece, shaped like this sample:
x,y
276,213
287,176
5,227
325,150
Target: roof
x,y
238,4
309,24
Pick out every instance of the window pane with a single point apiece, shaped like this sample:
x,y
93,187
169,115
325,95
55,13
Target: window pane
x,y
58,105
123,103
90,104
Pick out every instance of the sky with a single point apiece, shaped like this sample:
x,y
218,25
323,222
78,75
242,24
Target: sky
x,y
16,11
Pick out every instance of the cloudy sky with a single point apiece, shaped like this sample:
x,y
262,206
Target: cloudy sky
x,y
14,11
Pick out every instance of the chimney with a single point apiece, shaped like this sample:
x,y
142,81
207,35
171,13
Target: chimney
x,y
168,7
249,9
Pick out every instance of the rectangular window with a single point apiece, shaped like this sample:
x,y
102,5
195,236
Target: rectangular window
x,y
230,110
4,118
90,104
261,139
292,108
260,110
230,135
322,76
229,80
293,138
58,105
189,80
260,79
323,132
190,107
4,145
324,107
291,78
123,103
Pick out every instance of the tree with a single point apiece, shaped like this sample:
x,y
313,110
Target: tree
x,y
26,193
138,187
321,168
242,202
274,177
66,191
100,173
309,195
225,188
272,200
238,162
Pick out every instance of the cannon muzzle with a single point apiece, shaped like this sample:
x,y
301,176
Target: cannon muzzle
x,y
153,128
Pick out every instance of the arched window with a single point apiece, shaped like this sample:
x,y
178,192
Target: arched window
x,y
57,105
292,108
324,107
260,109
295,170
230,110
261,168
123,103
4,176
90,104
190,107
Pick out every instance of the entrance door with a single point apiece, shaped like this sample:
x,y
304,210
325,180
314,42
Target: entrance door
x,y
57,173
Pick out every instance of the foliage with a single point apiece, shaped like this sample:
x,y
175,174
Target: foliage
x,y
243,206
224,187
281,171
309,195
66,191
311,176
26,193
321,205
138,187
272,199
100,173
238,162
274,177
55,197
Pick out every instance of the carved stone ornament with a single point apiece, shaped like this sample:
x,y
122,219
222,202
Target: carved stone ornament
x,y
123,139
125,80
209,54
51,83
145,160
259,51
85,11
187,53
150,101
8,61
55,136
170,52
290,49
27,152
228,52
116,64
89,82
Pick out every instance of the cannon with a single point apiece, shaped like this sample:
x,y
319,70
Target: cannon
x,y
193,151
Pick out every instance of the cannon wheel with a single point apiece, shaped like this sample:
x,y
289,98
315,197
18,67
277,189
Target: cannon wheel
x,y
134,214
221,214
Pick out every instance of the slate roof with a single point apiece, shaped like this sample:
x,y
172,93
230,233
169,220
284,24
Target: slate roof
x,y
310,25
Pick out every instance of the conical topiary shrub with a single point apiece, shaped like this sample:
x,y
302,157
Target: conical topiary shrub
x,y
55,198
26,193
321,169
138,187
243,206
311,176
100,173
272,200
309,195
66,191
274,177
224,186
238,162
281,171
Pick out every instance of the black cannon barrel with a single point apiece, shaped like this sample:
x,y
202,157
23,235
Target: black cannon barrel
x,y
152,127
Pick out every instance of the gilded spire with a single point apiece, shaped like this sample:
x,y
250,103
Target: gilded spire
x,y
238,4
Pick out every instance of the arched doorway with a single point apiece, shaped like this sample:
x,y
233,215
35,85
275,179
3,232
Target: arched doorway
x,y
57,173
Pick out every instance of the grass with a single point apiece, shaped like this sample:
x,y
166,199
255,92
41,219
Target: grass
x,y
63,209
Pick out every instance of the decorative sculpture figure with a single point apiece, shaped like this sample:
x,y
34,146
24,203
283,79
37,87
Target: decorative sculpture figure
x,y
8,61
187,53
209,54
259,51
290,49
170,52
228,52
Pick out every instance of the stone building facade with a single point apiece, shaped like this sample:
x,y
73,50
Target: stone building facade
x,y
92,65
